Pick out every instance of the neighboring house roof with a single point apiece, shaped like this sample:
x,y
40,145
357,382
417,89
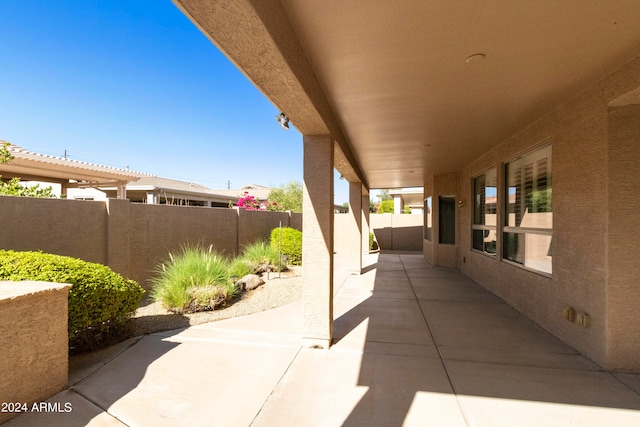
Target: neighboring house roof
x,y
260,192
171,188
30,166
174,187
151,183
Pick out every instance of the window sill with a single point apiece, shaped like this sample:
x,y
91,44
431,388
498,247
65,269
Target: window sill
x,y
483,253
531,270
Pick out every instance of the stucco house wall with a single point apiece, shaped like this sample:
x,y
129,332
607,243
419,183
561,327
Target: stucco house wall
x,y
595,204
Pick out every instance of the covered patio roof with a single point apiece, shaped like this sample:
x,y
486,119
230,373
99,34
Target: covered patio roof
x,y
30,166
413,88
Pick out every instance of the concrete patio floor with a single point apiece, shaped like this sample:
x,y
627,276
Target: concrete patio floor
x,y
415,345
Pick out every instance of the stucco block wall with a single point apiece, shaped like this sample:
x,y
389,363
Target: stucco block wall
x,y
131,238
255,225
157,230
593,231
394,232
71,227
34,341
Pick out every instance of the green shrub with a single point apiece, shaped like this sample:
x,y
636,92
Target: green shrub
x,y
386,206
239,268
290,244
195,279
371,239
100,300
259,254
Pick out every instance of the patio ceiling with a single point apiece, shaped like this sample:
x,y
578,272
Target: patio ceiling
x,y
392,81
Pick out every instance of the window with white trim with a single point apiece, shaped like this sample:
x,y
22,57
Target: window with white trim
x,y
528,218
485,199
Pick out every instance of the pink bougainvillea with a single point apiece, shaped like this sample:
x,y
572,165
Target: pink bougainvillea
x,y
250,203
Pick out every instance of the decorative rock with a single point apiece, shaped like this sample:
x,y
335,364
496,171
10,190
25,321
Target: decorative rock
x,y
250,282
264,267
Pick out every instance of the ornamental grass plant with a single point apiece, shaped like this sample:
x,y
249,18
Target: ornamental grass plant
x,y
194,279
261,254
239,267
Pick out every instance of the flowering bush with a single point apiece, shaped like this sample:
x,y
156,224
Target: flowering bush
x,y
250,203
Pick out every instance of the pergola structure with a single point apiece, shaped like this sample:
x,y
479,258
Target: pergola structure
x,y
471,100
30,166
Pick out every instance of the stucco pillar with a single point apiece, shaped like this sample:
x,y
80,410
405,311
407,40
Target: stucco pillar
x,y
364,220
397,204
64,189
121,190
622,296
317,241
119,236
34,341
355,227
152,198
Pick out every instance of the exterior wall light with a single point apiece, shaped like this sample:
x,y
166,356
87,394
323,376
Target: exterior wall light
x,y
283,120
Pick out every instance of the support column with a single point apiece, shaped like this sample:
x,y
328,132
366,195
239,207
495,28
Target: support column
x,y
355,227
121,190
365,220
317,241
64,189
152,198
397,204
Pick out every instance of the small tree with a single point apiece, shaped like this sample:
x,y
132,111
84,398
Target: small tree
x,y
287,197
5,154
386,206
384,195
14,187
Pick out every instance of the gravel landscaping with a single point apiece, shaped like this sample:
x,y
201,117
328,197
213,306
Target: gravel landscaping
x,y
276,292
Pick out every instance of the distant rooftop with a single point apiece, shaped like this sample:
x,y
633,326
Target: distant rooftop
x,y
43,167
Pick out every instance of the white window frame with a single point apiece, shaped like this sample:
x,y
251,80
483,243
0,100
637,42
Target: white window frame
x,y
484,227
537,159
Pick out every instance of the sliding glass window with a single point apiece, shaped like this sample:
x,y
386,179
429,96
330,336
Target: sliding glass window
x,y
485,198
529,215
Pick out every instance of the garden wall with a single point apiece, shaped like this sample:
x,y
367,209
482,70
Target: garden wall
x,y
34,342
131,238
399,232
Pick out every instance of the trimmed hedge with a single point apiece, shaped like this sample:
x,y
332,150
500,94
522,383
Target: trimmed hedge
x,y
100,300
291,244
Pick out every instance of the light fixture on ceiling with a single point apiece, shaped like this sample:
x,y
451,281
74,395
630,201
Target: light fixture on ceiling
x,y
283,120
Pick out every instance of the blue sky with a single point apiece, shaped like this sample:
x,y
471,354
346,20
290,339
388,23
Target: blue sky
x,y
135,83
